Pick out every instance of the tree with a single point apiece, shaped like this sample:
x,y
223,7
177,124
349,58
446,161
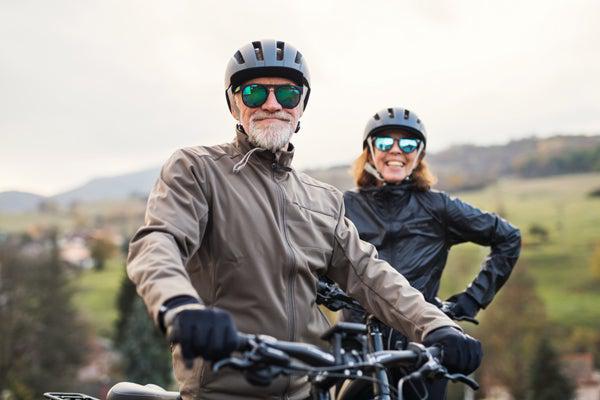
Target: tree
x,y
539,232
101,249
125,300
146,356
42,341
547,380
594,263
510,330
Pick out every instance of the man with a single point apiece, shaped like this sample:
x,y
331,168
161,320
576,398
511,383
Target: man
x,y
234,238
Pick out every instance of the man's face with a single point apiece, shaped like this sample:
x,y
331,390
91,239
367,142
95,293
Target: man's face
x,y
269,126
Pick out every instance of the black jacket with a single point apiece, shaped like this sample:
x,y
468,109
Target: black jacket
x,y
414,231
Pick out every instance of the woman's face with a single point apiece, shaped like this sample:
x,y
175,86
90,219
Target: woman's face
x,y
394,165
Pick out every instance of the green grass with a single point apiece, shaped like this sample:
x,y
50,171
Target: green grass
x,y
125,215
560,266
96,296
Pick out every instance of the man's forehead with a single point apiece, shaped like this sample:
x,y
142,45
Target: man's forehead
x,y
271,80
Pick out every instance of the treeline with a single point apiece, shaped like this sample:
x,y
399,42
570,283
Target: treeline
x,y
43,342
569,162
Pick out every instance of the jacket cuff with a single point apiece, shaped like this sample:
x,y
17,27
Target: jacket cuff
x,y
174,306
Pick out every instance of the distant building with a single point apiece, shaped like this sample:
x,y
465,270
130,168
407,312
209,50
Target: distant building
x,y
74,251
580,369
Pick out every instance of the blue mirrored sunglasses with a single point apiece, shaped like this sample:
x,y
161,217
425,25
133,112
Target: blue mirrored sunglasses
x,y
385,143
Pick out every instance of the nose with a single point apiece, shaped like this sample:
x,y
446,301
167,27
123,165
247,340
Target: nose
x,y
271,105
396,148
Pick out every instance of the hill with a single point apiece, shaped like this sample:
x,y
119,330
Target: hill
x,y
465,167
14,202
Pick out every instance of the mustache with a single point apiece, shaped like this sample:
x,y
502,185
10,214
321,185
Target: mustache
x,y
260,115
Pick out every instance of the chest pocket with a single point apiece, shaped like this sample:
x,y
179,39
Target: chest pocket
x,y
310,233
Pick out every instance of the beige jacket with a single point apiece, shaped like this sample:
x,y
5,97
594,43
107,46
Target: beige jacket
x,y
236,228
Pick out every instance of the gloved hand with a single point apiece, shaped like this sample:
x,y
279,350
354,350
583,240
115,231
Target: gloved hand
x,y
463,305
461,353
208,333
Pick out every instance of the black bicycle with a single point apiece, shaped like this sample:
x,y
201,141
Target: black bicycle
x,y
263,358
380,338
359,364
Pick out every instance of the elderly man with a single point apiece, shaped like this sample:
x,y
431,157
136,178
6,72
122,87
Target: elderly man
x,y
234,238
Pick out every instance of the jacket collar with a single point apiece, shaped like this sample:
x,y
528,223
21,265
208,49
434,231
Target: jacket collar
x,y
281,159
390,190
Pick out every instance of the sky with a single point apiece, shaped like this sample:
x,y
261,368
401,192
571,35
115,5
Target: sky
x,y
100,88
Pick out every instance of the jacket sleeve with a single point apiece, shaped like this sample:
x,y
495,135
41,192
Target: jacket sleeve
x,y
466,223
381,290
176,216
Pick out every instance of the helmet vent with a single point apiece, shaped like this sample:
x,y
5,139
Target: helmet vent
x,y
376,117
238,57
280,47
391,112
406,114
258,51
298,59
418,121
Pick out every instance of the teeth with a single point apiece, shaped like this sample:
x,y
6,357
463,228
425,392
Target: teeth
x,y
395,164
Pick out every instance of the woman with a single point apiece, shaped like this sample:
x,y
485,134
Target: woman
x,y
413,227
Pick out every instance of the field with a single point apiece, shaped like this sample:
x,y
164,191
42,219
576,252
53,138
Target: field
x,y
96,296
560,265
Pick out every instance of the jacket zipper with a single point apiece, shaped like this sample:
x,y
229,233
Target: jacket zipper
x,y
291,261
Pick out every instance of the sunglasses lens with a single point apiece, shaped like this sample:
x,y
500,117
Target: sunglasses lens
x,y
383,143
408,145
254,95
288,96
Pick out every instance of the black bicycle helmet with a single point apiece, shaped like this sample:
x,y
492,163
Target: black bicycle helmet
x,y
266,57
395,118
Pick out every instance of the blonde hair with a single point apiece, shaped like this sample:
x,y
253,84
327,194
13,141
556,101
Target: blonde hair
x,y
421,176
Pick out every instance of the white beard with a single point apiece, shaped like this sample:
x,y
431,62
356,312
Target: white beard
x,y
273,136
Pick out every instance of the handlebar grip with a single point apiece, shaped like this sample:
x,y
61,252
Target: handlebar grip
x,y
435,351
244,340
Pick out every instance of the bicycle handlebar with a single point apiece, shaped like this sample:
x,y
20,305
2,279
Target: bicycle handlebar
x,y
266,351
307,353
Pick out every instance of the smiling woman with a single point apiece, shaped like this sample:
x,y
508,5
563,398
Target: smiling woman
x,y
414,227
394,144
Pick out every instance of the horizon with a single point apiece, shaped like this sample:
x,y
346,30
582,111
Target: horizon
x,y
158,164
95,89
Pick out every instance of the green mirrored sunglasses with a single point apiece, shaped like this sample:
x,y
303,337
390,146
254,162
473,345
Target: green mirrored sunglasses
x,y
256,94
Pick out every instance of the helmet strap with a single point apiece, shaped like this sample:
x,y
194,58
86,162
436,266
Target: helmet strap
x,y
369,167
373,171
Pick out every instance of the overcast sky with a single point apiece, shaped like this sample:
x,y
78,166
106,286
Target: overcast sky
x,y
96,88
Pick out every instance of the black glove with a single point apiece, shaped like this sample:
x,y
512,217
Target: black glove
x,y
463,305
209,333
461,353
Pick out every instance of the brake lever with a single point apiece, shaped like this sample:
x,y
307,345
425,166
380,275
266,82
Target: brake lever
x,y
468,319
463,379
233,362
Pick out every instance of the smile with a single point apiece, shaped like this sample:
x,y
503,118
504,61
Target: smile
x,y
394,164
